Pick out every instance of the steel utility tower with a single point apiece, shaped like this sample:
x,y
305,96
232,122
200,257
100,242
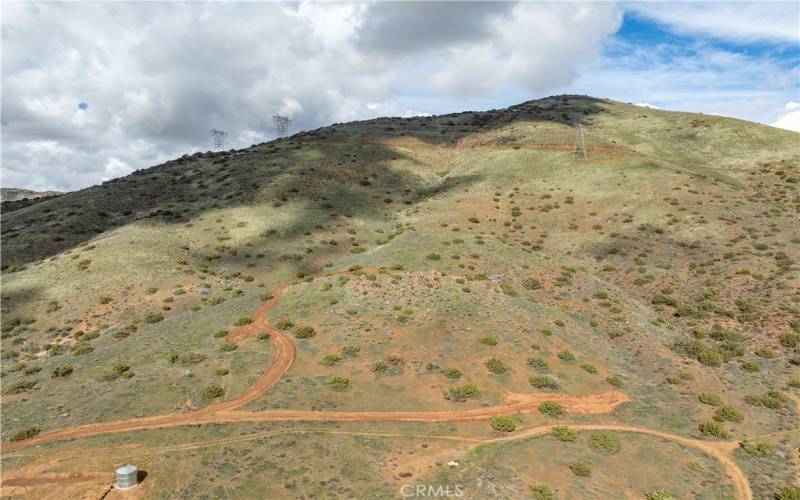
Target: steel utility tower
x,y
580,143
218,138
281,125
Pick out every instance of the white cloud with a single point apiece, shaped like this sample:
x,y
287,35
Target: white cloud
x,y
535,46
647,105
741,21
790,118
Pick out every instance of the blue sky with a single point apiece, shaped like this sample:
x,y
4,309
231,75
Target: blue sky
x,y
92,91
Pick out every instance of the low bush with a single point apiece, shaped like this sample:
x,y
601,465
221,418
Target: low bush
x,y
496,366
19,387
304,332
452,373
564,433
615,380
488,341
713,428
221,333
542,492
227,346
503,424
213,391
331,359
710,398
61,371
221,372
605,442
580,469
462,393
284,324
659,495
538,364
543,382
551,408
728,414
566,356
338,383
351,351
244,320
757,449
26,434
117,371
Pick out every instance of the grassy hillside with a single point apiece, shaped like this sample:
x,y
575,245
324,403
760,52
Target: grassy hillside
x,y
664,266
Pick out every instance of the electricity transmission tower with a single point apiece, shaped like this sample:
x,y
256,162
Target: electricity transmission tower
x,y
580,143
218,138
281,125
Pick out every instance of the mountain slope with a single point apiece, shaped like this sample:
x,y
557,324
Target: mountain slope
x,y
663,266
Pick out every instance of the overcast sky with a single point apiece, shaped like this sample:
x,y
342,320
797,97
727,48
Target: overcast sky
x,y
93,91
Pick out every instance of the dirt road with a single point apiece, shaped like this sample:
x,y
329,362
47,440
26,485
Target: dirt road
x,y
286,353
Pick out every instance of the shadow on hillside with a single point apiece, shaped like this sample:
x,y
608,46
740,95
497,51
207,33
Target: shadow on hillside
x,y
357,181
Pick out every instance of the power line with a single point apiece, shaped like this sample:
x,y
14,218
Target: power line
x,y
580,143
281,125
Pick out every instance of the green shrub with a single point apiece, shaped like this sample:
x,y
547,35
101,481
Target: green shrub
x,y
488,341
61,371
580,469
788,493
757,449
434,256
338,383
532,284
81,349
543,382
221,372
221,333
789,339
710,398
26,434
284,324
351,351
615,380
244,320
227,346
503,424
462,393
263,336
304,332
551,408
566,356
213,391
605,442
380,367
564,433
452,373
117,370
542,492
153,317
729,414
589,368
751,367
659,495
19,387
496,366
331,359
713,428
538,364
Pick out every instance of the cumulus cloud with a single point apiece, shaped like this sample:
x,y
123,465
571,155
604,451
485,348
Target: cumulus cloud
x,y
91,91
739,21
790,118
647,105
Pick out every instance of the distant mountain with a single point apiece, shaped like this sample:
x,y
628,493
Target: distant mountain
x,y
15,194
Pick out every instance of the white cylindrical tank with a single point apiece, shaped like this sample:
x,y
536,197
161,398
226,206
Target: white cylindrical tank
x,y
127,477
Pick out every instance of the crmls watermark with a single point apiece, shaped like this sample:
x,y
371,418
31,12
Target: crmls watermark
x,y
432,491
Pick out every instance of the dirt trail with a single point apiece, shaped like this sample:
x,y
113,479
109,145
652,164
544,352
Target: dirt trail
x,y
286,353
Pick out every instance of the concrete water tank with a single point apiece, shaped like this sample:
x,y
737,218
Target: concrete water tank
x,y
127,477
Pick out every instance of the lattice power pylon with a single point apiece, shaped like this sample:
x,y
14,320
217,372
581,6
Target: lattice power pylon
x,y
218,138
580,143
281,125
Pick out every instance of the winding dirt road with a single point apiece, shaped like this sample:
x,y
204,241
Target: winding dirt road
x,y
286,353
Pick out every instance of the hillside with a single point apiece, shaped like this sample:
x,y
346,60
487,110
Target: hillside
x,y
342,312
16,194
